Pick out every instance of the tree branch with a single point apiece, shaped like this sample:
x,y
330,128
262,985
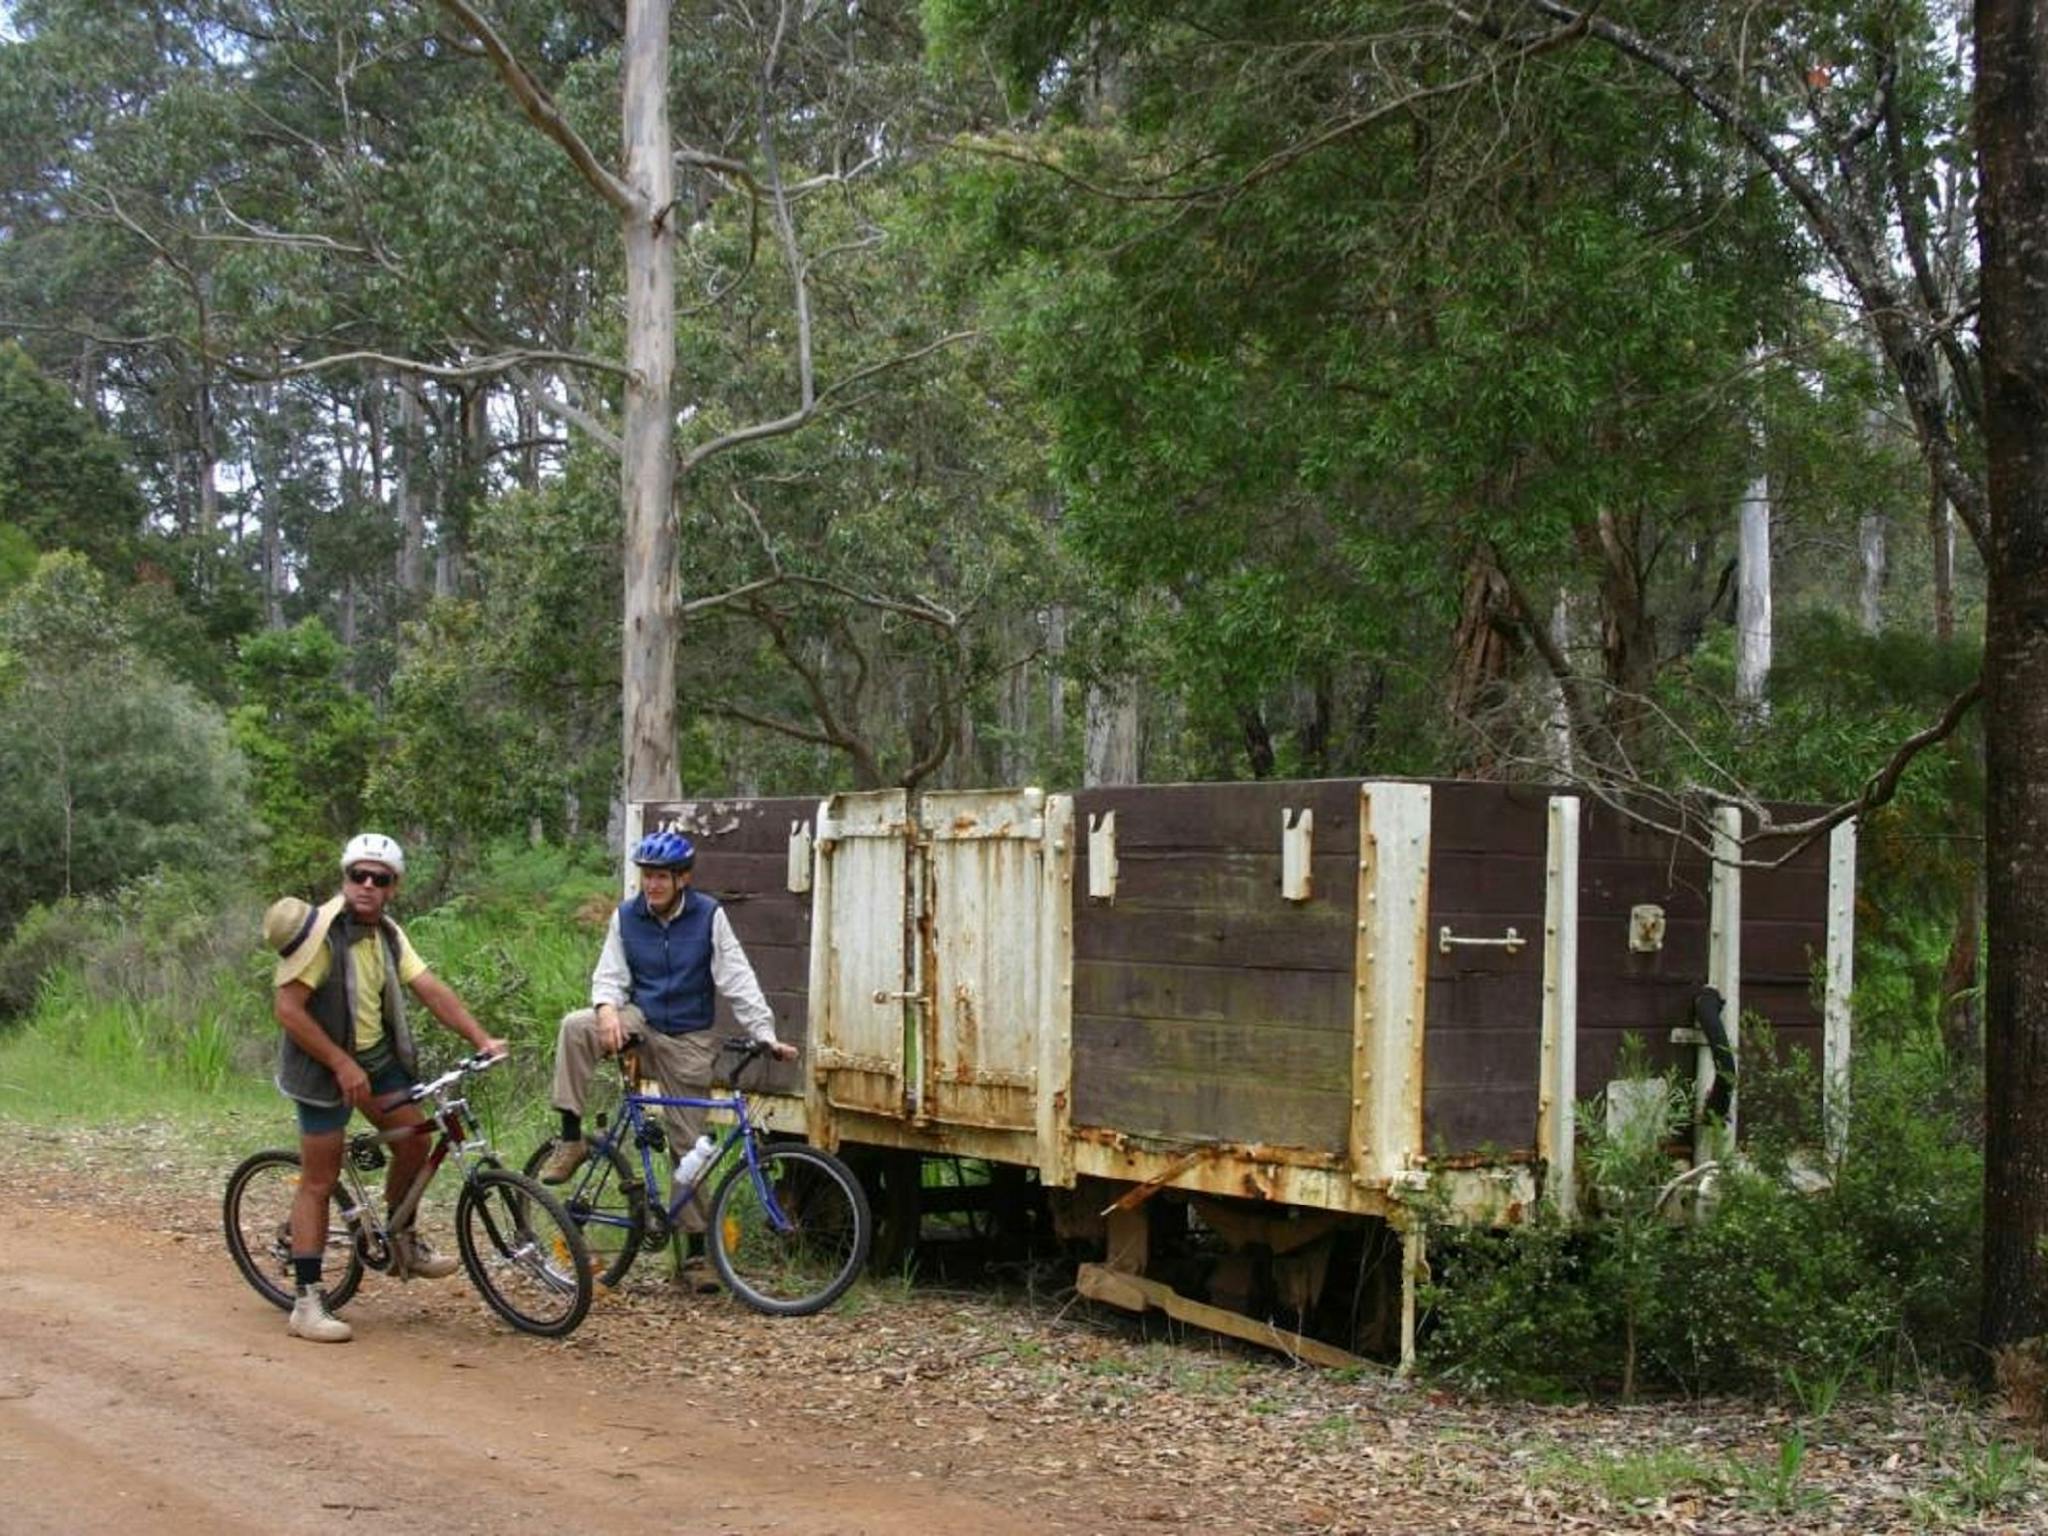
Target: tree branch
x,y
783,425
1856,251
486,367
541,110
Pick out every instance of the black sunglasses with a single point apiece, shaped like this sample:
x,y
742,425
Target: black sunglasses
x,y
377,877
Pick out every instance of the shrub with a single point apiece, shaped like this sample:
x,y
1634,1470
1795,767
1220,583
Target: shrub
x,y
1765,1287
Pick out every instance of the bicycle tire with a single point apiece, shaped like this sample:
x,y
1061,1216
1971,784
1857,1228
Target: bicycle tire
x,y
256,1218
608,1200
803,1265
523,1253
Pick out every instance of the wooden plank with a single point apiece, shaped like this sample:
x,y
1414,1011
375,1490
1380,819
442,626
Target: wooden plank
x,y
1248,1049
1134,1293
1189,817
1228,880
1486,820
1317,937
1180,1106
1147,989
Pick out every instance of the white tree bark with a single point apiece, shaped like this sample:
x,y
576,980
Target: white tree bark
x,y
409,481
1753,594
653,623
1870,543
1112,736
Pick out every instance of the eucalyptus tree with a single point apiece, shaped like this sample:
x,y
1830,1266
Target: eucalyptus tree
x,y
1389,341
1859,126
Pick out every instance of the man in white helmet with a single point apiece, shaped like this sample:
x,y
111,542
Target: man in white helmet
x,y
346,1045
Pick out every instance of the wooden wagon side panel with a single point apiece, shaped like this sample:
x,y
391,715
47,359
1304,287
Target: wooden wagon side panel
x,y
1483,1041
1207,1006
1624,864
743,860
1784,941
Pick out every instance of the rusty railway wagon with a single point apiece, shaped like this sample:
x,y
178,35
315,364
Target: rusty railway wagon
x,y
1292,1015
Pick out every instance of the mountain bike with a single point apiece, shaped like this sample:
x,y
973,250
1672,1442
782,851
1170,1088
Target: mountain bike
x,y
520,1248
789,1226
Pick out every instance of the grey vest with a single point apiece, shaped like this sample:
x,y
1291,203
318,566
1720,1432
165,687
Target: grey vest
x,y
333,1006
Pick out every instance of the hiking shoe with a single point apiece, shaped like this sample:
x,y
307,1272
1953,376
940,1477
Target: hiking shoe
x,y
563,1162
698,1275
311,1320
421,1262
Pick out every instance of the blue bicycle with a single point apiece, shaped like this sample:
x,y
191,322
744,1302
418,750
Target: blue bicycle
x,y
788,1228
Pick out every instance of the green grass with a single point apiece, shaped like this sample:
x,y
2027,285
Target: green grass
x,y
135,1028
1628,1477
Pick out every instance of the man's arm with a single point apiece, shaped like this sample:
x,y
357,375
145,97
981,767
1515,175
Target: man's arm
x,y
735,980
611,988
444,1005
298,1023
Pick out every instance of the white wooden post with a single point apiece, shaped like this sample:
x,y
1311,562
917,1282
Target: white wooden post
x,y
1724,969
1841,980
1560,1088
1391,973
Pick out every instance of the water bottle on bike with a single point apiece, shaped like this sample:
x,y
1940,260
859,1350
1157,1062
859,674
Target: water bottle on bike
x,y
695,1162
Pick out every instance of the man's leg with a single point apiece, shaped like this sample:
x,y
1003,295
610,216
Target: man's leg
x,y
408,1157
683,1064
577,1053
319,1169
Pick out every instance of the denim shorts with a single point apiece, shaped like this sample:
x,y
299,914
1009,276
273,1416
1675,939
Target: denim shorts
x,y
387,1076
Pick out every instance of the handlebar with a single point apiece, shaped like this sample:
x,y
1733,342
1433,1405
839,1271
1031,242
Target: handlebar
x,y
469,1065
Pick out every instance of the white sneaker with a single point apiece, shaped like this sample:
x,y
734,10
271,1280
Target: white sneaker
x,y
312,1320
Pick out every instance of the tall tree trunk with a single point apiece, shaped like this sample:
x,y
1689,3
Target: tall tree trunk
x,y
653,622
1482,654
464,494
1753,594
270,478
1961,1013
529,439
1628,638
1870,546
2012,229
1557,725
1111,752
1941,538
411,488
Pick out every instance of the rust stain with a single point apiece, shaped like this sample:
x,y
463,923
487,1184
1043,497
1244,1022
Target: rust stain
x,y
966,1028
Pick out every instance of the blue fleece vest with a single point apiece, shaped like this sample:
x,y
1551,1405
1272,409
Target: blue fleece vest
x,y
671,964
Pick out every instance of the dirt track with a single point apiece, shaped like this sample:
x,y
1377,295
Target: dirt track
x,y
144,1388
139,1392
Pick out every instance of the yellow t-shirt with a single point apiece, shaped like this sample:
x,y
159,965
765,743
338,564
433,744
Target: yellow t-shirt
x,y
367,956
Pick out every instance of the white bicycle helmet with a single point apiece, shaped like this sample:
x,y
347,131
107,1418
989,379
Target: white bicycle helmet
x,y
375,847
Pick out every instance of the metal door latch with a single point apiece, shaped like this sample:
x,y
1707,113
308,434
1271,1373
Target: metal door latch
x,y
1511,941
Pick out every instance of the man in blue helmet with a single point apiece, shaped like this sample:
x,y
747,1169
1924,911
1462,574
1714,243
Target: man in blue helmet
x,y
669,953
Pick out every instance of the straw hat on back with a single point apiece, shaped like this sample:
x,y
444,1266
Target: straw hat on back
x,y
293,926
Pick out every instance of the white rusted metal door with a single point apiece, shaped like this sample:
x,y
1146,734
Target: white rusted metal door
x,y
864,1005
940,973
982,968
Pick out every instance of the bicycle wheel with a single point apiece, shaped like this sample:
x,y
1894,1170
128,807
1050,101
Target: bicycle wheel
x,y
607,1198
523,1253
792,1237
257,1216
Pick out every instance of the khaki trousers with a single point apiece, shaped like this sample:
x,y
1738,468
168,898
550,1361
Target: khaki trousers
x,y
681,1064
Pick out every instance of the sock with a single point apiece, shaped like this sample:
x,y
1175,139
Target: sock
x,y
306,1270
572,1125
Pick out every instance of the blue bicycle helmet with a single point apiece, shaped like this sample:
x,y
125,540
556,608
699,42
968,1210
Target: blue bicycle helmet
x,y
665,850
